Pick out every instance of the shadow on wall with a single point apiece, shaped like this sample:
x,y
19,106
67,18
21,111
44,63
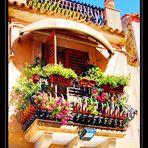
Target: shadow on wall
x,y
16,135
22,51
101,61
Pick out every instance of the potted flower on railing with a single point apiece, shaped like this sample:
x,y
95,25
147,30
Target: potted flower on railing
x,y
115,108
84,110
87,82
89,76
34,72
59,75
58,108
114,84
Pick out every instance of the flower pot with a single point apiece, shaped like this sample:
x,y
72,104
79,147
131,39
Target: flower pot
x,y
91,84
105,87
76,108
111,89
83,82
35,78
116,90
26,114
57,79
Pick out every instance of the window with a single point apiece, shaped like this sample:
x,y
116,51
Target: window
x,y
76,60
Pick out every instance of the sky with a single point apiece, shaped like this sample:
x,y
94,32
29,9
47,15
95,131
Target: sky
x,y
125,6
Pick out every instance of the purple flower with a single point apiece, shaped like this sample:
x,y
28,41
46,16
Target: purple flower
x,y
59,101
64,122
103,94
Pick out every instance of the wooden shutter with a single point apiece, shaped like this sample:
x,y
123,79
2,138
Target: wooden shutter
x,y
76,60
50,50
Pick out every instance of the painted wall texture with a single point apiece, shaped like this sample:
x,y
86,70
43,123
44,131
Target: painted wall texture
x,y
136,36
111,16
118,65
131,23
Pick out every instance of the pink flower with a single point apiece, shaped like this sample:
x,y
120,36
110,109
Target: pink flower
x,y
59,101
61,115
64,122
98,98
64,111
103,99
103,94
57,116
95,91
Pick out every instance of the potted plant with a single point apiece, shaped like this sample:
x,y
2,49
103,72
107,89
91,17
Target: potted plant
x,y
21,94
57,108
34,72
59,75
114,84
83,81
90,75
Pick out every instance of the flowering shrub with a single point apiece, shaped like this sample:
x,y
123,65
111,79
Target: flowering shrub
x,y
99,95
59,108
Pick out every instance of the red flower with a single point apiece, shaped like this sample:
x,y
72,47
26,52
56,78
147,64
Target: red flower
x,y
98,98
102,98
95,91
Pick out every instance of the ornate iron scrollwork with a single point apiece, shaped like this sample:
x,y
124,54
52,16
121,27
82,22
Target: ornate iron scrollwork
x,y
131,112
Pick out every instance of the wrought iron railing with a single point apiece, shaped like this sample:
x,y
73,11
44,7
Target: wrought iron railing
x,y
108,115
77,10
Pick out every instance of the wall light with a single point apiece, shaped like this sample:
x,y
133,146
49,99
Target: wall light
x,y
87,134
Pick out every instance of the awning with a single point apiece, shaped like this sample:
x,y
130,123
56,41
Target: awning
x,y
56,23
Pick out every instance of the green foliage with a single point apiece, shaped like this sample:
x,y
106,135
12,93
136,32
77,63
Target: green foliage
x,y
22,91
91,105
85,77
58,69
115,81
29,70
93,73
122,101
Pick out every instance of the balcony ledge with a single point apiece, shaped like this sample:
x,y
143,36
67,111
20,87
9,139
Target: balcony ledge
x,y
40,127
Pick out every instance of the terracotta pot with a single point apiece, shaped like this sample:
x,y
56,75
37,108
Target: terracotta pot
x,y
111,89
83,82
105,87
76,108
117,90
26,114
91,83
57,79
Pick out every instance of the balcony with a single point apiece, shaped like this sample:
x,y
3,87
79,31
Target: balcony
x,y
90,100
